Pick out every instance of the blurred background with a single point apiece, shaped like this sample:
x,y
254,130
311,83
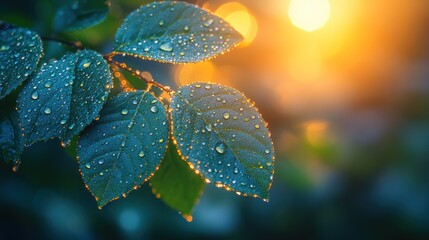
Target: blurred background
x,y
344,86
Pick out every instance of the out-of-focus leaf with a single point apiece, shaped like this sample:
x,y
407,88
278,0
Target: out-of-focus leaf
x,y
225,138
80,14
122,150
176,184
64,96
11,144
174,32
20,51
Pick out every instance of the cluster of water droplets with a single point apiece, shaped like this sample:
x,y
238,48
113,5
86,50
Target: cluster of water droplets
x,y
125,146
20,51
64,96
174,32
224,137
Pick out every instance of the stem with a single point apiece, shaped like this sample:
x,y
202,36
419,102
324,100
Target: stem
x,y
78,45
136,73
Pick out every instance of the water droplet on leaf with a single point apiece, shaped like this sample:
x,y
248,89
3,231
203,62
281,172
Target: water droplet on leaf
x,y
47,110
220,147
35,95
166,47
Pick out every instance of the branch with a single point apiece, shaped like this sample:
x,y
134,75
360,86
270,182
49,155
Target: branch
x,y
78,45
136,73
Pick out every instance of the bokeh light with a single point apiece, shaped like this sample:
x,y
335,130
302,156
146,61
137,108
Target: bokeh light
x,y
309,15
241,19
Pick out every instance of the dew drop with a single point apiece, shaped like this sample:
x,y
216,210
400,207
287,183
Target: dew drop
x,y
257,126
48,84
101,161
124,111
267,151
220,147
166,47
62,122
208,127
154,109
269,164
4,48
141,154
186,28
235,170
86,64
35,95
101,173
207,87
208,23
47,110
71,126
226,116
88,165
161,23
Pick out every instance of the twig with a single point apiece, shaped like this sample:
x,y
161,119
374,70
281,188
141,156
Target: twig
x,y
78,45
136,73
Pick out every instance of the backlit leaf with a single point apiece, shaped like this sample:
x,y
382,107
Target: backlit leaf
x,y
225,138
174,32
11,145
20,51
80,14
122,150
176,184
64,96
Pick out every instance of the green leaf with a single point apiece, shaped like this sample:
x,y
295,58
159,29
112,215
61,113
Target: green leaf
x,y
176,184
223,135
64,96
11,144
20,51
122,150
174,32
80,14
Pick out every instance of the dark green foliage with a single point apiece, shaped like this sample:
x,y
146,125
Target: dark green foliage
x,y
11,144
176,184
64,96
174,32
80,14
20,51
121,151
217,133
222,134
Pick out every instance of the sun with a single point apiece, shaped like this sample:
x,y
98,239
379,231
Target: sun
x,y
309,15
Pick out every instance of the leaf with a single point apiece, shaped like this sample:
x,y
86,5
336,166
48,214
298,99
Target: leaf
x,y
80,14
174,32
222,134
64,96
11,144
122,150
20,51
176,184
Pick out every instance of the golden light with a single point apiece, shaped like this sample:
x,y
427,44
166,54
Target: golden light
x,y
316,131
305,63
241,19
199,72
309,15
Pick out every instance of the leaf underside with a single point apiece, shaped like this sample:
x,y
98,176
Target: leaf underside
x,y
224,137
122,150
176,184
20,51
80,14
64,96
174,32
